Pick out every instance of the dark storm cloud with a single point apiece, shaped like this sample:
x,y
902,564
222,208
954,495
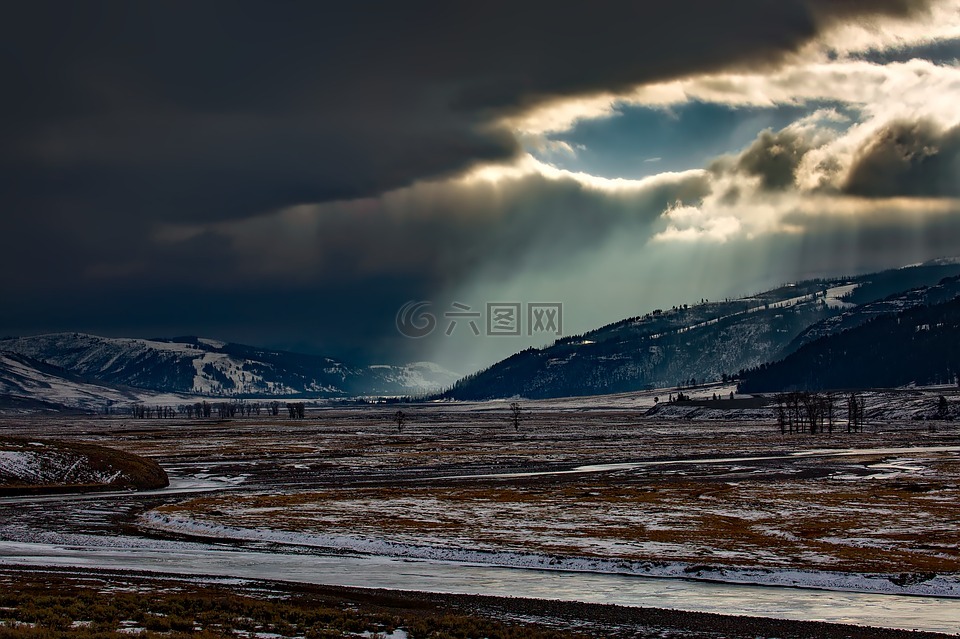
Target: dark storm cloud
x,y
122,118
911,159
224,110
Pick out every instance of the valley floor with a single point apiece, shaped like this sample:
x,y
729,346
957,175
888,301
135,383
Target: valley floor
x,y
584,488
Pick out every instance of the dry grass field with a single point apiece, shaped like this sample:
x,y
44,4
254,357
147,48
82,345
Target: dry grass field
x,y
592,487
859,513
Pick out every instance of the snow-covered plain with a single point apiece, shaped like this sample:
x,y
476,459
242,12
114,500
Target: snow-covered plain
x,y
815,513
596,487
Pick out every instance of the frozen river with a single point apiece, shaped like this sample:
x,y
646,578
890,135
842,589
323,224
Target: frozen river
x,y
922,613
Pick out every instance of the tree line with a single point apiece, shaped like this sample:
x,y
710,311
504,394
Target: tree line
x,y
222,410
800,412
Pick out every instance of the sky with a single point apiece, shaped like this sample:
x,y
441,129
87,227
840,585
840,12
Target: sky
x,y
293,174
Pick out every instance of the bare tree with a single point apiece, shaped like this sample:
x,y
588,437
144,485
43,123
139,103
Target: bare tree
x,y
796,415
828,406
811,410
781,412
856,408
401,418
516,415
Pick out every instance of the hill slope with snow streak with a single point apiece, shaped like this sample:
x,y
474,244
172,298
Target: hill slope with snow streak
x,y
46,466
28,385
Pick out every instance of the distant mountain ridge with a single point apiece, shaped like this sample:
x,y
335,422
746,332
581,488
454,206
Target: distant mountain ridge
x,y
209,367
704,342
665,348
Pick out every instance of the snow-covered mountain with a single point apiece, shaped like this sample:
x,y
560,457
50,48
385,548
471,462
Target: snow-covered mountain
x,y
859,314
419,377
918,345
664,348
703,342
191,365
